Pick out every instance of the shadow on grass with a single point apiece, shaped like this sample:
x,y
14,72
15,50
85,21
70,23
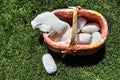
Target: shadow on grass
x,y
82,61
41,40
75,61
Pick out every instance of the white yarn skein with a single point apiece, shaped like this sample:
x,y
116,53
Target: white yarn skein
x,y
90,28
83,38
81,23
96,36
49,63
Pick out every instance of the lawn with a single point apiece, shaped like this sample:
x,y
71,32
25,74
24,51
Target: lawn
x,y
21,47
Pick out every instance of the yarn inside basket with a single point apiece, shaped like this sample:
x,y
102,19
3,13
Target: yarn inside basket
x,y
67,16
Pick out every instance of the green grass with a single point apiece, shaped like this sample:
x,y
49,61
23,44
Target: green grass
x,y
21,52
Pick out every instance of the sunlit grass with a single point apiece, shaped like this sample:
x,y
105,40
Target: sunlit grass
x,y
21,51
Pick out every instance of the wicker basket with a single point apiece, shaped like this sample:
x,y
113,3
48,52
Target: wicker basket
x,y
70,15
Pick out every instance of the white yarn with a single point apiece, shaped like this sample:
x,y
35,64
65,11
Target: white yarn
x,y
49,63
96,36
62,38
51,20
60,31
81,23
45,28
91,28
83,38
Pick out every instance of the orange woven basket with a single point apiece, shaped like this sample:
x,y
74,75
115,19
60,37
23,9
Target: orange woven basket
x,y
69,15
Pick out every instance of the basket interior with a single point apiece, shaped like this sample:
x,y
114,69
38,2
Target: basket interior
x,y
90,15
69,19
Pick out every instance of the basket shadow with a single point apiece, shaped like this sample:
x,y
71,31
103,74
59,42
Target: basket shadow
x,y
74,61
41,40
82,61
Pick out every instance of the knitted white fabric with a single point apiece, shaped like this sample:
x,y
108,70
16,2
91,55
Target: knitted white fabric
x,y
51,20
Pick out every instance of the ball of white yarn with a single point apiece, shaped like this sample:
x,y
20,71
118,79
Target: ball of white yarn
x,y
96,36
49,63
80,23
91,28
83,38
